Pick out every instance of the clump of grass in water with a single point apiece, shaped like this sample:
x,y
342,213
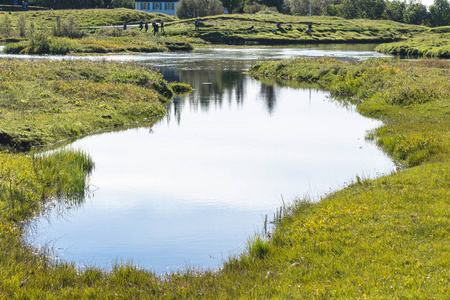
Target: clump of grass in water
x,y
181,88
28,181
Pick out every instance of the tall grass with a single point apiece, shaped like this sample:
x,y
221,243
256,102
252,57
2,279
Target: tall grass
x,y
27,181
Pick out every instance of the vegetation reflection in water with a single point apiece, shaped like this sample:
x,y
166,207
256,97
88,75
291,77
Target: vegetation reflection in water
x,y
191,190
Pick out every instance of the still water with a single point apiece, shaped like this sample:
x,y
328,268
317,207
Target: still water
x,y
191,190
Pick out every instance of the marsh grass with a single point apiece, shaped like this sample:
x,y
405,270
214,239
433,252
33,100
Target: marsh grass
x,y
27,181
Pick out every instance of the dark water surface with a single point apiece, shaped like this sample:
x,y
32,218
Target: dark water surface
x,y
191,190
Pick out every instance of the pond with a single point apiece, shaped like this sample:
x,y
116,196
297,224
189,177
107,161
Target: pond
x,y
191,190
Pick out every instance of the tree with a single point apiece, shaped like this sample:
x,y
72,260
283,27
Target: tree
x,y
395,10
198,8
5,27
232,5
367,9
22,24
416,13
273,3
318,7
68,4
440,13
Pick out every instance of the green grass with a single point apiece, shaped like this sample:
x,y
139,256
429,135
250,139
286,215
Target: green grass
x,y
385,238
433,43
234,29
45,101
139,42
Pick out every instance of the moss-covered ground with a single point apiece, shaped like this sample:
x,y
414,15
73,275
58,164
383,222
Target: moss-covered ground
x,y
375,239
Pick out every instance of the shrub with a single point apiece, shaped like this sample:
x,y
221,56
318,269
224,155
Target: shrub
x,y
15,48
62,46
5,27
22,24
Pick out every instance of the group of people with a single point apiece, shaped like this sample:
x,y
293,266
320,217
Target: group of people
x,y
156,26
24,4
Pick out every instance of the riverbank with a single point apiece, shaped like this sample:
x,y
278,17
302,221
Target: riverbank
x,y
433,43
47,101
374,239
79,31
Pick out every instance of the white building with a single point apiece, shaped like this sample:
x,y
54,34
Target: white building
x,y
155,6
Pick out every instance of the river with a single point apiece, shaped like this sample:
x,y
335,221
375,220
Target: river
x,y
192,190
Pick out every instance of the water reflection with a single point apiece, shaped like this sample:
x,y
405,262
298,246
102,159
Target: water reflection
x,y
195,187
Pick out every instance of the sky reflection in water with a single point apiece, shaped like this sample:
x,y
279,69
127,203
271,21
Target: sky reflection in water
x,y
191,190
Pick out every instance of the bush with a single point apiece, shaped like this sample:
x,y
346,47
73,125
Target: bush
x,y
62,46
15,48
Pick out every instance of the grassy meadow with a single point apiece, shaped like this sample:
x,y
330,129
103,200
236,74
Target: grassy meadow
x,y
375,239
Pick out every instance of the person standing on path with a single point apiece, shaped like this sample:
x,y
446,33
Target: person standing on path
x,y
197,25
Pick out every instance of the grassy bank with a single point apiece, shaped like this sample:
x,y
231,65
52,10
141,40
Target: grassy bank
x,y
106,42
375,239
274,28
46,101
432,43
